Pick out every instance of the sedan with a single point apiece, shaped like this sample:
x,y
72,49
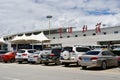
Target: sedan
x,y
2,52
98,58
34,57
22,55
116,52
9,57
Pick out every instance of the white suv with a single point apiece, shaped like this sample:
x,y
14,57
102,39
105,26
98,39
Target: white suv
x,y
69,55
22,55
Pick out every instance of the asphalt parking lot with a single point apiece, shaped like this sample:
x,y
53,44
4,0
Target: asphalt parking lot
x,y
14,71
71,67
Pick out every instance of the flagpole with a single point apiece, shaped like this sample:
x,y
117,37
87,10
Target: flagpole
x,y
49,17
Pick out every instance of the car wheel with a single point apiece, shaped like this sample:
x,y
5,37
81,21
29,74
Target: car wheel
x,y
84,67
20,62
66,65
66,55
78,63
46,63
103,65
57,62
12,60
5,61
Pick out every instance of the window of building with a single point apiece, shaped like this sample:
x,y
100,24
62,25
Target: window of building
x,y
84,34
104,33
68,36
94,34
53,37
76,35
61,37
115,32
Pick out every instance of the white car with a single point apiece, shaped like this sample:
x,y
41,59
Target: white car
x,y
34,57
22,55
69,55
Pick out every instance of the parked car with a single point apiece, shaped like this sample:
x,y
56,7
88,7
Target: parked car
x,y
98,58
51,55
9,57
34,57
1,53
69,54
116,52
22,55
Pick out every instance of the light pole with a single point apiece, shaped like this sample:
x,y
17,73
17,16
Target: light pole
x,y
49,17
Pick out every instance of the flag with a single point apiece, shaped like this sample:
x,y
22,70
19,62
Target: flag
x,y
84,28
98,29
60,31
70,30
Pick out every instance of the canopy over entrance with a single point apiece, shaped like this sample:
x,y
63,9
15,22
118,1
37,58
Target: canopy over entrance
x,y
40,38
2,41
31,40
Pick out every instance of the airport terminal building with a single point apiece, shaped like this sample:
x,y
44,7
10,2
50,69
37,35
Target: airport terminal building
x,y
63,37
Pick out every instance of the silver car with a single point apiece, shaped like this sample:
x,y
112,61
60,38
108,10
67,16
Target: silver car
x,y
34,57
98,58
22,55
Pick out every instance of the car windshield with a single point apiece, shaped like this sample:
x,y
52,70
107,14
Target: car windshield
x,y
3,52
31,51
116,52
37,52
82,49
92,53
56,51
21,51
67,49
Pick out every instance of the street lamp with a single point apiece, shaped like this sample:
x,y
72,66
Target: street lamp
x,y
49,17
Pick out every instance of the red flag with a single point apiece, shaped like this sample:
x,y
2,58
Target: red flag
x,y
98,29
70,30
60,31
84,28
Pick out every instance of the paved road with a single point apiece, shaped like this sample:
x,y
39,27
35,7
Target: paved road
x,y
16,71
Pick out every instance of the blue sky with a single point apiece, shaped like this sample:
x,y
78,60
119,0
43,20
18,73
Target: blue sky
x,y
28,15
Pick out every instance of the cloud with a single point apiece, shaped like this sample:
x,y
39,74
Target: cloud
x,y
28,15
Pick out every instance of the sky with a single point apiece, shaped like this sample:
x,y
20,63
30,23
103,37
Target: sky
x,y
18,16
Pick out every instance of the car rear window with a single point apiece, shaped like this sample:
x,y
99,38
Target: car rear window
x,y
68,49
21,51
82,49
92,52
37,52
116,52
3,52
55,51
31,51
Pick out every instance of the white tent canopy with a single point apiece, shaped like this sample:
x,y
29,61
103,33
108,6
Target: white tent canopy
x,y
40,38
2,41
19,39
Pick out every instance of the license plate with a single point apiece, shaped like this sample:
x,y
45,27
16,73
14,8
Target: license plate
x,y
86,59
19,55
44,56
31,59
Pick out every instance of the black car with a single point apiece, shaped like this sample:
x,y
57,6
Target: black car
x,y
51,55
